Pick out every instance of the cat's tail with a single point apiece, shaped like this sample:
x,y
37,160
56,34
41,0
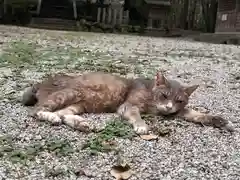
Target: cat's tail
x,y
29,97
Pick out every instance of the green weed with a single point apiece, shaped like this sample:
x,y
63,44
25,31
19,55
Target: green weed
x,y
104,140
19,54
28,153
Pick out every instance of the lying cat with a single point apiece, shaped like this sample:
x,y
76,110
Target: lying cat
x,y
62,98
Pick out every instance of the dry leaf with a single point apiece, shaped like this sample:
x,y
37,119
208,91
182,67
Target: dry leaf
x,y
109,143
82,172
149,137
164,132
121,172
161,131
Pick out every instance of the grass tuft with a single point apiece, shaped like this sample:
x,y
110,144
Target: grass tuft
x,y
28,153
105,140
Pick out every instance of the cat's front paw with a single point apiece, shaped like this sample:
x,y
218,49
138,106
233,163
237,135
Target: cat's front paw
x,y
219,122
76,122
140,127
83,126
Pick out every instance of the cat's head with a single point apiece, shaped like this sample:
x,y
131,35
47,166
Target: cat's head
x,y
169,96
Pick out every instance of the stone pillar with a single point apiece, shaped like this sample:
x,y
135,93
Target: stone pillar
x,y
39,6
99,15
127,17
237,11
5,6
74,9
109,15
120,16
104,15
150,23
114,16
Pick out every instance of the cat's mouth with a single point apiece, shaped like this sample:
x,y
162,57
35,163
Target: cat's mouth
x,y
166,113
164,110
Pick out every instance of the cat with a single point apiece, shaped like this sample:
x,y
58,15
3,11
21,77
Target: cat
x,y
62,98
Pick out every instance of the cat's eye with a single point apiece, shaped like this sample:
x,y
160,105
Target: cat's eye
x,y
179,101
164,95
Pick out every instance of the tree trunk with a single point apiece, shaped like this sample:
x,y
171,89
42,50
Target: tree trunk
x,y
205,14
192,15
209,14
213,10
184,15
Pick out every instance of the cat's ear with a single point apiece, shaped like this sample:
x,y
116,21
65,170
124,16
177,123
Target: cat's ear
x,y
160,79
189,90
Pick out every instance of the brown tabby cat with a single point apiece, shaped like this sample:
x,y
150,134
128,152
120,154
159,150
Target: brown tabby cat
x,y
62,98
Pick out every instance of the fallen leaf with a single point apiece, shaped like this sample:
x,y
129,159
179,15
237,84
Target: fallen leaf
x,y
164,132
149,137
82,172
161,131
121,172
109,143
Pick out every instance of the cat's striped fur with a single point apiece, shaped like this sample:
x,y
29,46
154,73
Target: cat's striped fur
x,y
63,98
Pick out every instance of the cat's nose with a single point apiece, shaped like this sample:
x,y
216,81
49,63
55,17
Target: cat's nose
x,y
169,105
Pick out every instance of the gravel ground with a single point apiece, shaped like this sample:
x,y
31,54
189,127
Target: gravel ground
x,y
189,152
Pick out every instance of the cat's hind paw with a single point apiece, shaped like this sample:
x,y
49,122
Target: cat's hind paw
x,y
219,122
53,118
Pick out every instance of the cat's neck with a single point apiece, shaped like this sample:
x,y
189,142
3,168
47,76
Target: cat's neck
x,y
142,82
